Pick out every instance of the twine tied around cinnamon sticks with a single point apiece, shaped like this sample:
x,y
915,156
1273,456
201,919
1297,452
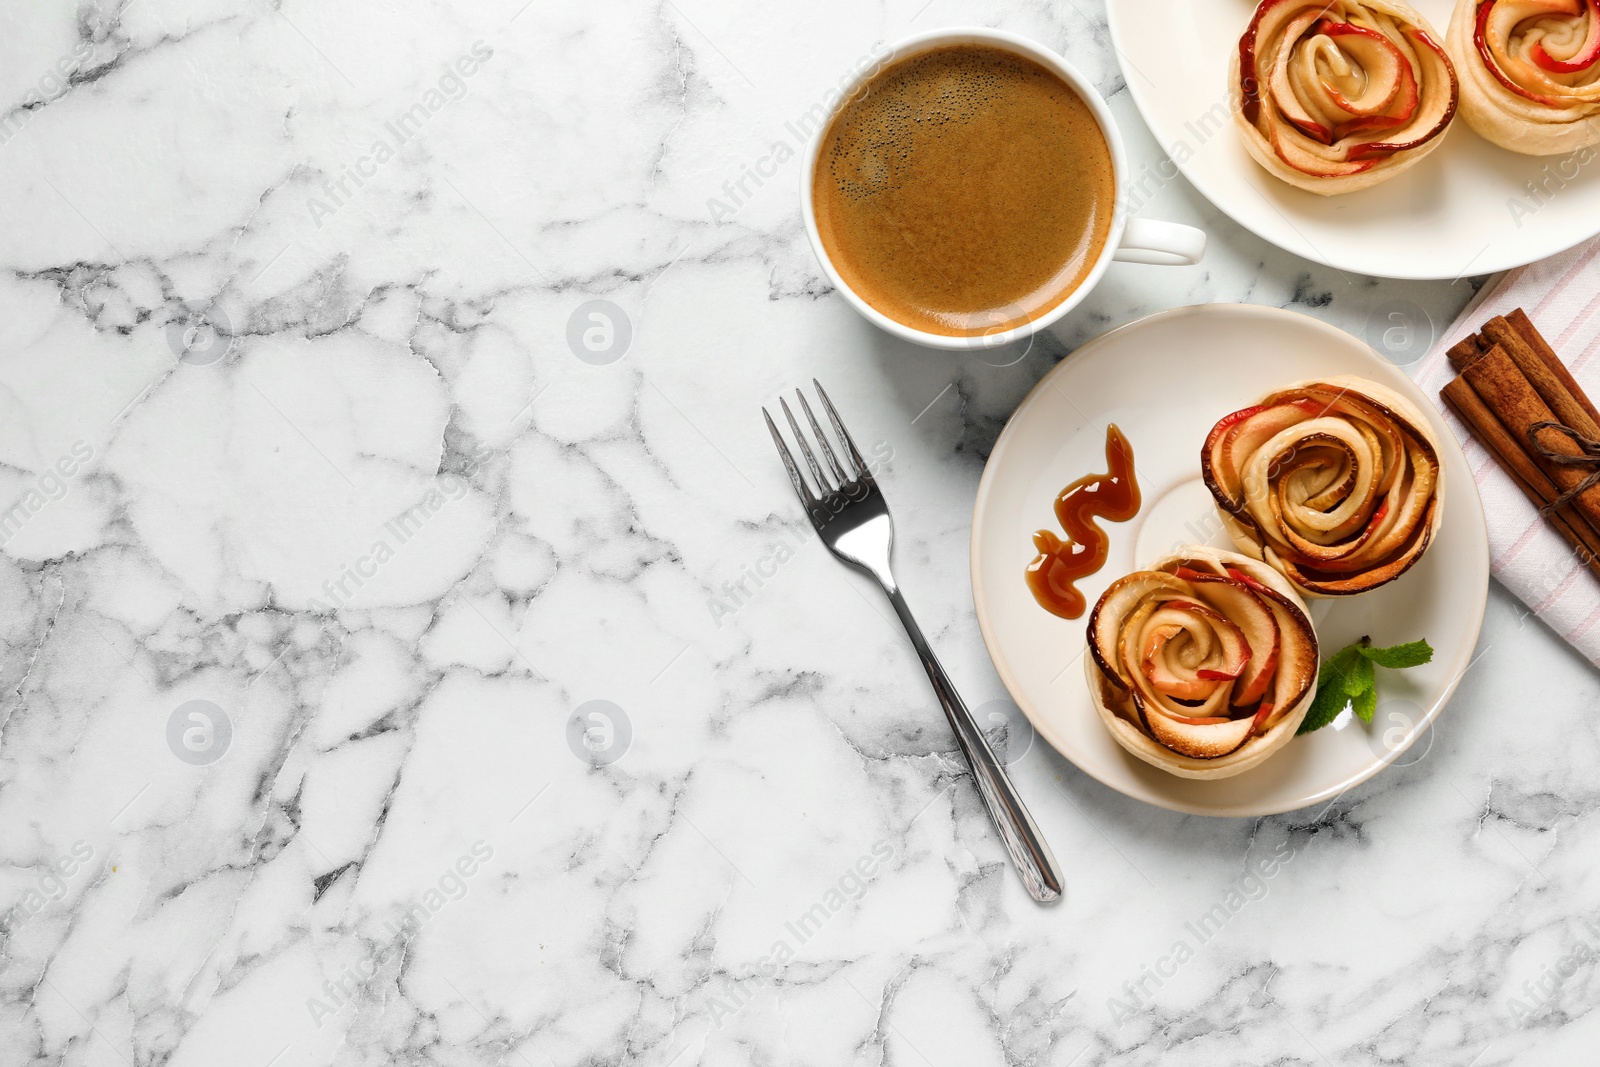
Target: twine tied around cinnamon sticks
x,y
1590,458
1523,405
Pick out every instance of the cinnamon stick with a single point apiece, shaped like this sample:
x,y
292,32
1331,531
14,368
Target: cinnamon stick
x,y
1507,392
1545,381
1539,490
1466,351
1541,348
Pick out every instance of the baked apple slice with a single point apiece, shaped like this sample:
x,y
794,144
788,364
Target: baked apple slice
x,y
1335,482
1530,72
1202,665
1338,97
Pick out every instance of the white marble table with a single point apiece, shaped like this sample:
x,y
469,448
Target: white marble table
x,y
393,535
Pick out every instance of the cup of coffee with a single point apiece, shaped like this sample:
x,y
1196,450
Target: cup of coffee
x,y
963,192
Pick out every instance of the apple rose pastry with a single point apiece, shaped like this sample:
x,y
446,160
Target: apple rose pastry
x,y
1203,665
1530,72
1335,482
1339,95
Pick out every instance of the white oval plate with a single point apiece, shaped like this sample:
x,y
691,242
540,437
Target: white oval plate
x,y
1447,217
1166,380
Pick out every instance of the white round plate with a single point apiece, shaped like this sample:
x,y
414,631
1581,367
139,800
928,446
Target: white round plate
x,y
1166,380
1449,216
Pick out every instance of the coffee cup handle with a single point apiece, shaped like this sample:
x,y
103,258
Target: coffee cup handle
x,y
1166,244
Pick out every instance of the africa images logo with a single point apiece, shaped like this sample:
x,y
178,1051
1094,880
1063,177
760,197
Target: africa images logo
x,y
449,88
599,732
199,732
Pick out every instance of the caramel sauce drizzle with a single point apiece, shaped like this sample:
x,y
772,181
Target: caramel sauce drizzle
x,y
1060,564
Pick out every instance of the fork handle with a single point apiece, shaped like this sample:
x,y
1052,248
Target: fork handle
x,y
1032,857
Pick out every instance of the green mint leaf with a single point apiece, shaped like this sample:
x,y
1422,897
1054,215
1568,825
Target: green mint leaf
x,y
1332,694
1398,657
1338,665
1365,700
1359,677
1336,672
1329,702
1347,678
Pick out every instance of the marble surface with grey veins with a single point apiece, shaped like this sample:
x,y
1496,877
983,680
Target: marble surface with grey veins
x,y
402,664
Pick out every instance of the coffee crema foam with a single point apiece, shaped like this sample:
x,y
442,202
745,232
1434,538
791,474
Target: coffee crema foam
x,y
964,190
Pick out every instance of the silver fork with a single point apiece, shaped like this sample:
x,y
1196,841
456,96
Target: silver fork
x,y
852,519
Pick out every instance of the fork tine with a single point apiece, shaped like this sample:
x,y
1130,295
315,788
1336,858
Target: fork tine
x,y
822,440
824,487
844,434
800,486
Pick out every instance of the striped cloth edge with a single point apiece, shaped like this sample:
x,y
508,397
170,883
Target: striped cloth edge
x,y
1562,297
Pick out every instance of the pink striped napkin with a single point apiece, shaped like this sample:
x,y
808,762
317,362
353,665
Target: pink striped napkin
x,y
1562,297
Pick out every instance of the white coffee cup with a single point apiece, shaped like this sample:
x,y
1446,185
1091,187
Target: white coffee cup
x,y
1130,240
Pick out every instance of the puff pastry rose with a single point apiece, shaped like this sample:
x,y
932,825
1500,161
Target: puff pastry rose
x,y
1530,72
1339,95
1204,665
1334,482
